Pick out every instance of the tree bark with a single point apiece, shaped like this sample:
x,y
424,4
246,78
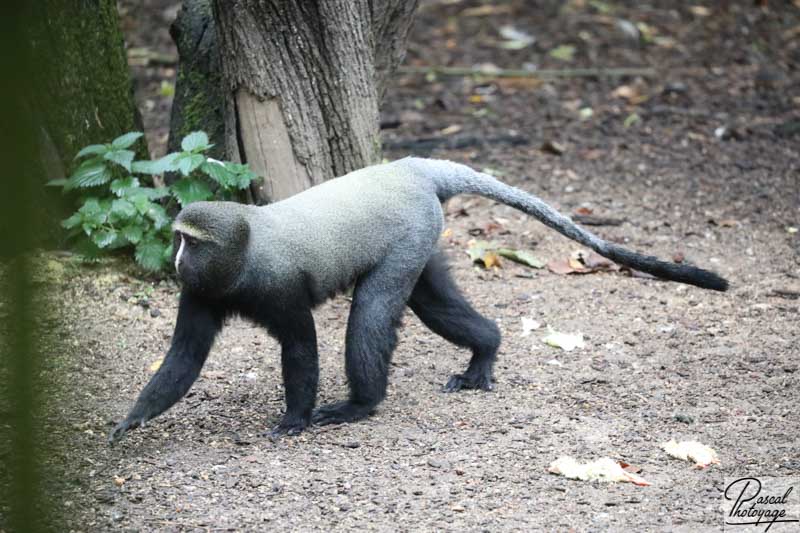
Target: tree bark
x,y
79,91
302,83
199,99
82,88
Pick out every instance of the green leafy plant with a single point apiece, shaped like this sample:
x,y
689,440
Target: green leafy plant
x,y
117,211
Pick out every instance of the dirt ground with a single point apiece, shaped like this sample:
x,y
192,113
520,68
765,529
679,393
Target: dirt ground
x,y
701,160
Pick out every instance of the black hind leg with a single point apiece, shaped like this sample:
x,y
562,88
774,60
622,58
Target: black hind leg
x,y
437,301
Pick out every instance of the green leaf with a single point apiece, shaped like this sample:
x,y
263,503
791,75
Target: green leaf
x,y
57,183
104,237
188,162
158,215
195,141
190,190
219,172
123,158
565,52
72,222
156,193
90,174
159,166
167,256
123,209
630,120
133,233
127,140
141,202
148,192
87,250
150,253
121,186
521,256
92,149
240,176
92,213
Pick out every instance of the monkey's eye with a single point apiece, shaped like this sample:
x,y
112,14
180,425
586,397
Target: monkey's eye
x,y
191,241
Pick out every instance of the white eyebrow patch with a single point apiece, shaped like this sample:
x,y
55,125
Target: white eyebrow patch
x,y
180,252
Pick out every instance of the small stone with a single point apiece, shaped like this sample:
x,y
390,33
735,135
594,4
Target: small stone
x,y
155,313
686,419
436,463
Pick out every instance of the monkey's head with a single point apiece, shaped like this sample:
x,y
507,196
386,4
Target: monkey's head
x,y
210,246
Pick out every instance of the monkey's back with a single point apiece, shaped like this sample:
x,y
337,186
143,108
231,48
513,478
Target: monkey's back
x,y
329,235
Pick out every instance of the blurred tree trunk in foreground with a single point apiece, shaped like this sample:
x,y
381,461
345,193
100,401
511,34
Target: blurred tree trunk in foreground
x,y
82,92
300,83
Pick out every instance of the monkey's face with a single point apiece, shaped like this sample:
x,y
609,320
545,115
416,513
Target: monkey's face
x,y
209,250
202,265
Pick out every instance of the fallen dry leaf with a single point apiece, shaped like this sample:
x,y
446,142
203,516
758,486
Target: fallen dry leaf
x,y
553,147
694,451
156,364
523,257
630,93
483,253
485,10
700,11
565,341
491,259
528,325
582,262
594,261
563,266
449,130
605,469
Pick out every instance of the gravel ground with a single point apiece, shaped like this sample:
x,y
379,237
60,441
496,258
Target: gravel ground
x,y
661,360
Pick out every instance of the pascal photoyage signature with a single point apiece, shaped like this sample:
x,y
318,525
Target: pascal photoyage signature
x,y
751,508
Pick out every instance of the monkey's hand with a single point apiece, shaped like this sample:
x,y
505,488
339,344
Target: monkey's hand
x,y
123,427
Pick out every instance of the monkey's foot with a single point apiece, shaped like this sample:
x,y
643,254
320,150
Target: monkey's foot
x,y
469,381
341,412
290,427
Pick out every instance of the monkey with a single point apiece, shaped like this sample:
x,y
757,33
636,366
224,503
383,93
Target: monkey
x,y
375,229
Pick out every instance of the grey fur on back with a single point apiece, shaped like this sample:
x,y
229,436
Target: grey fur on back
x,y
330,234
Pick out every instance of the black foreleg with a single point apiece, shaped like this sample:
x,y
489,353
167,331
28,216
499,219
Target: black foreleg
x,y
300,366
197,326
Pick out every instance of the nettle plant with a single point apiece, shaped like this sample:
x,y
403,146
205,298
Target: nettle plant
x,y
116,211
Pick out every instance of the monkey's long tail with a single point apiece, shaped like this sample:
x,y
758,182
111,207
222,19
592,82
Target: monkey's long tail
x,y
460,179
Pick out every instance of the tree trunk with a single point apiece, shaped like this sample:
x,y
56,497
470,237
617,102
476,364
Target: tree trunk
x,y
82,87
199,99
302,83
80,91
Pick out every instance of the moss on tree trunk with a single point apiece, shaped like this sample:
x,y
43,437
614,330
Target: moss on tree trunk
x,y
82,87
